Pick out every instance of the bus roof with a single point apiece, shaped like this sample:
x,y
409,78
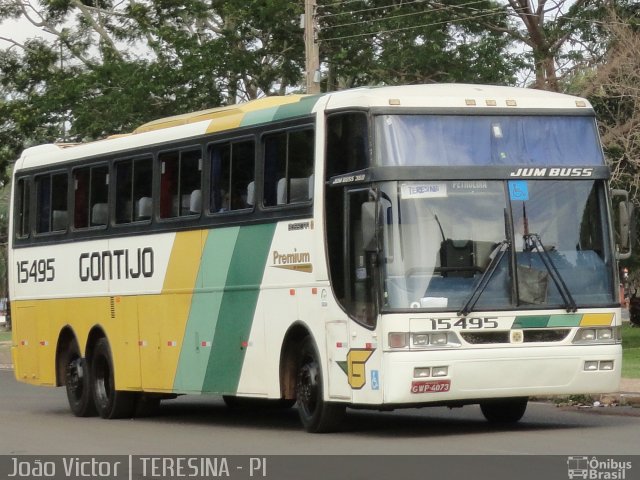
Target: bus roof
x,y
269,109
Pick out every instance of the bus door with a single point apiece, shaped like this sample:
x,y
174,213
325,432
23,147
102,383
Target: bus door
x,y
357,365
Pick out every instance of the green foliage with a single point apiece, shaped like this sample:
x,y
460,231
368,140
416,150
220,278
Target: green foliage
x,y
400,43
630,351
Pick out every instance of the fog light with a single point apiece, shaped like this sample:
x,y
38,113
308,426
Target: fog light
x,y
397,340
591,365
421,372
440,371
439,339
606,365
420,339
605,334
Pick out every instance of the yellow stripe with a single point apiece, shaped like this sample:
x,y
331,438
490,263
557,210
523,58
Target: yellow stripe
x,y
163,318
596,319
226,122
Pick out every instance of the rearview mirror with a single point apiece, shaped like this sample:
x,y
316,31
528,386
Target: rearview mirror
x,y
369,226
626,224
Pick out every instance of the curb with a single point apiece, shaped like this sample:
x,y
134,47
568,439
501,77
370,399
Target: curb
x,y
630,399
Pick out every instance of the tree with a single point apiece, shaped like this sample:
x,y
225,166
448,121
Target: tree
x,y
115,65
557,36
374,42
612,88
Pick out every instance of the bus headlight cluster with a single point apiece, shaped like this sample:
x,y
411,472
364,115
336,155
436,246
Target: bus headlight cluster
x,y
597,335
434,339
421,340
595,365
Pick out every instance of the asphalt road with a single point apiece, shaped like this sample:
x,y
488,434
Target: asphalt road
x,y
36,420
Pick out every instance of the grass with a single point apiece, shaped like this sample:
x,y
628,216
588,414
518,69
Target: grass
x,y
5,336
630,351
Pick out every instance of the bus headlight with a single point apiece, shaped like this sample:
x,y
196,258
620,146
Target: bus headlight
x,y
434,340
420,339
597,335
439,339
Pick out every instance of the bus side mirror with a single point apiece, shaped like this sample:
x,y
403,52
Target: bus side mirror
x,y
369,219
626,224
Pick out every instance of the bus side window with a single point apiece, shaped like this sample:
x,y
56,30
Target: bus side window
x,y
51,203
180,182
91,196
22,202
232,176
288,169
133,190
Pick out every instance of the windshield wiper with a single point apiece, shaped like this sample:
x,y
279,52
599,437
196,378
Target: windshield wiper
x,y
532,241
497,255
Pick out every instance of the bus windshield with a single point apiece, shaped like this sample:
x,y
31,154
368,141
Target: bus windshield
x,y
441,236
448,140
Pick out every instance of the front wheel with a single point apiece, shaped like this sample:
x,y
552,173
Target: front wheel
x,y
110,403
317,416
504,410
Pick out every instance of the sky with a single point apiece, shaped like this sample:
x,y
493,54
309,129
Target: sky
x,y
19,30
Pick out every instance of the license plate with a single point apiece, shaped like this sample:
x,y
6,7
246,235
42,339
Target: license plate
x,y
430,386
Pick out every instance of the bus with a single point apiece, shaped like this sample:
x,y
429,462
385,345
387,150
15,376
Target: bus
x,y
377,248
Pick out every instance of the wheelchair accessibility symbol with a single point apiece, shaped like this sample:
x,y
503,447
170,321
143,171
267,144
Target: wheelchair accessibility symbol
x,y
518,190
375,380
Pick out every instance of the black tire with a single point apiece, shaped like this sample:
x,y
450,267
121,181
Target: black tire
x,y
77,382
316,415
110,403
504,410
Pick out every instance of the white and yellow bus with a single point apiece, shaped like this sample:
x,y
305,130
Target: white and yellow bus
x,y
373,248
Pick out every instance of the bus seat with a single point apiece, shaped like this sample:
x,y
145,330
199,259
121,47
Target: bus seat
x,y
299,190
195,201
60,219
281,194
185,203
311,180
144,208
100,214
251,193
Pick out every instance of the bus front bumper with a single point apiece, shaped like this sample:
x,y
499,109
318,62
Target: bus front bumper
x,y
414,377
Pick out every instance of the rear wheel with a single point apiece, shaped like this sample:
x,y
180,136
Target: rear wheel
x,y
110,403
77,381
504,410
317,416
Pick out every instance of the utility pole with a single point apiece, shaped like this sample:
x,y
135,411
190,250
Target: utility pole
x,y
312,54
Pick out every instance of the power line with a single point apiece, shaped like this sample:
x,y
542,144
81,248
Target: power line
x,y
339,3
440,7
372,20
432,24
351,12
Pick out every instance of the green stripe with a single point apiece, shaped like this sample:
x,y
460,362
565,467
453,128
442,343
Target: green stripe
x,y
543,321
531,321
205,308
237,308
572,320
298,109
258,116
282,112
